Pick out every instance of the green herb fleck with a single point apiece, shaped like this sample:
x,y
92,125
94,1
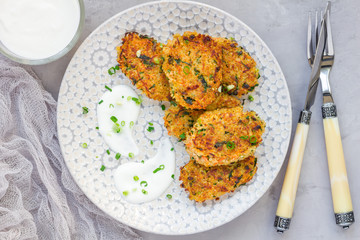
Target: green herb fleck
x,y
114,119
117,156
150,129
85,110
108,88
131,155
251,98
108,151
169,196
101,101
143,184
144,191
84,145
102,168
163,107
172,149
125,193
136,178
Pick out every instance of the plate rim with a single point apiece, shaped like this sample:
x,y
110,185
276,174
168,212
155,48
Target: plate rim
x,y
262,43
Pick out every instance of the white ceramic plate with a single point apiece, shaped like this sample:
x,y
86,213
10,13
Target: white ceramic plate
x,y
83,85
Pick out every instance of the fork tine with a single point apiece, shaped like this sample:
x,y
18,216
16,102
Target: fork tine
x,y
309,43
316,28
329,50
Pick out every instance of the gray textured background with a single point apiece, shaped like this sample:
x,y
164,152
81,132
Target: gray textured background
x,y
282,25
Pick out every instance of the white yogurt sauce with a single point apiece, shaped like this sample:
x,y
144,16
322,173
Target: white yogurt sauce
x,y
116,104
135,190
38,29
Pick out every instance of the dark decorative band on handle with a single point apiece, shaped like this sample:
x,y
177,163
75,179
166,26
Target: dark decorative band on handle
x,y
345,219
282,224
305,117
329,110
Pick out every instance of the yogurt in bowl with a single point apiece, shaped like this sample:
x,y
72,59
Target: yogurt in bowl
x,y
39,31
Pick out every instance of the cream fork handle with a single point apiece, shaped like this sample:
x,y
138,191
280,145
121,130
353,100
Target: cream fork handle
x,y
337,170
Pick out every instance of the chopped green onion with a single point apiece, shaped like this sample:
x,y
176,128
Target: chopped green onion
x,y
144,191
111,71
173,176
117,67
114,119
137,100
163,107
151,142
244,137
251,98
116,128
173,103
108,151
161,167
186,70
122,123
111,105
232,39
142,161
172,149
151,124
169,196
101,101
102,168
97,128
131,155
156,60
131,123
136,178
117,156
182,136
143,183
253,139
129,98
108,88
125,193
84,145
150,129
85,110
230,145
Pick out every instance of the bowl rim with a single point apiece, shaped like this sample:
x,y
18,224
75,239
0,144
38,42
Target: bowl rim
x,y
9,54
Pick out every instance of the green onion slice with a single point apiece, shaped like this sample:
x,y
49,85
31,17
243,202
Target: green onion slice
x,y
84,145
186,70
163,107
114,119
230,145
108,88
122,123
125,193
169,196
101,101
117,156
131,155
85,110
143,183
108,151
102,168
253,139
144,191
136,178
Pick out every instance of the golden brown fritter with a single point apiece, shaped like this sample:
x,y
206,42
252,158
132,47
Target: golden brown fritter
x,y
192,64
224,136
224,101
207,183
240,74
140,59
178,120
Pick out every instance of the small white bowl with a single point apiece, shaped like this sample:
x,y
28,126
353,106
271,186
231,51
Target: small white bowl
x,y
15,57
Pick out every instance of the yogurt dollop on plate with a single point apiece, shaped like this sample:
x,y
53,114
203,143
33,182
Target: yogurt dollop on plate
x,y
117,113
144,182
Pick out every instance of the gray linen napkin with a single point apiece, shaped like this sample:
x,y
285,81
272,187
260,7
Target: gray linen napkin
x,y
38,197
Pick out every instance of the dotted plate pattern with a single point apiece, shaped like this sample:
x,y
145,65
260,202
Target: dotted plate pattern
x,y
83,85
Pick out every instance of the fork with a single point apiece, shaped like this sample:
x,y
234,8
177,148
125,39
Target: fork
x,y
340,190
